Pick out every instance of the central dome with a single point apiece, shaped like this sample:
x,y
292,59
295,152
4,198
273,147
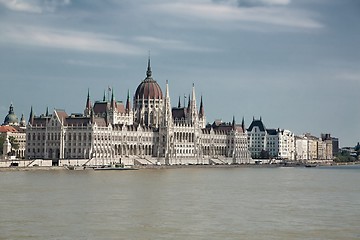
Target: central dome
x,y
148,88
11,118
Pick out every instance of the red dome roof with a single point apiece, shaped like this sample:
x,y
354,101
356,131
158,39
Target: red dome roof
x,y
148,88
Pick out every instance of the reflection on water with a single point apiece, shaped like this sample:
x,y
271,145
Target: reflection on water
x,y
232,203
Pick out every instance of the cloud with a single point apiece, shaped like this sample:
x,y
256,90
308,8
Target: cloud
x,y
90,64
72,40
253,3
256,3
349,76
224,13
172,44
34,6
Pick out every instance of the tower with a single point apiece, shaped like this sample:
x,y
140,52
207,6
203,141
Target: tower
x,y
148,101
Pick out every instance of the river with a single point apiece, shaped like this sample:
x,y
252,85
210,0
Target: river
x,y
187,203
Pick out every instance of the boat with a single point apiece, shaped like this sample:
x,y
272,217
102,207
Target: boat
x,y
115,167
310,165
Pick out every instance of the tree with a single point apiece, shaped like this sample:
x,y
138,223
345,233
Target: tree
x,y
14,144
264,154
2,140
344,156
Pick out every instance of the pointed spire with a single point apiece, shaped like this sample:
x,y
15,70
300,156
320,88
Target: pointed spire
x,y
167,89
113,102
31,117
189,103
47,112
88,104
104,98
243,124
260,119
128,101
201,111
149,72
233,123
179,103
167,107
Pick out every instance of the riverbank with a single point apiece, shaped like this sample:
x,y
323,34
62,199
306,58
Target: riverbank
x,y
144,167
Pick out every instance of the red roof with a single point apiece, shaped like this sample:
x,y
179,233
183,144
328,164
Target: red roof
x,y
5,129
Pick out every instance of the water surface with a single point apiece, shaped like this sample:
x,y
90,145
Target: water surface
x,y
191,203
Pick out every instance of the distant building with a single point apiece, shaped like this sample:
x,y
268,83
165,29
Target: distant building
x,y
309,147
13,132
150,132
278,143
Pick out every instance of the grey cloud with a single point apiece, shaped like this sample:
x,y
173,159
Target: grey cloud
x,y
253,3
34,6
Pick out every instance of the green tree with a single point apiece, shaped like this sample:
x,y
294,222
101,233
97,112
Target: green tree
x,y
14,144
344,156
264,154
2,140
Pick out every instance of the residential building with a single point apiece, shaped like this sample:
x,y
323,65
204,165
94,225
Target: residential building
x,y
276,143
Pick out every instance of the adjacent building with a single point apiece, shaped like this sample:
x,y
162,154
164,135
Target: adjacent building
x,y
270,143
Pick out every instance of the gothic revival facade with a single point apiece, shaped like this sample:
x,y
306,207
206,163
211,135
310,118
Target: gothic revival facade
x,y
150,132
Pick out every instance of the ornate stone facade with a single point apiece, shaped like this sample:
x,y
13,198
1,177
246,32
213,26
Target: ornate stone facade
x,y
152,132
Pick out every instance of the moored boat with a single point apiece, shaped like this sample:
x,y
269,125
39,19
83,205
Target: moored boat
x,y
115,167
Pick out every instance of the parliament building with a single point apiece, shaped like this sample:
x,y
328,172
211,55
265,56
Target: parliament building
x,y
150,131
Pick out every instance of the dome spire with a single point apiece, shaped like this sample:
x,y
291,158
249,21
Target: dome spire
x,y
149,72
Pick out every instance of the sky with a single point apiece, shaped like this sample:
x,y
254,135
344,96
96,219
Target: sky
x,y
294,63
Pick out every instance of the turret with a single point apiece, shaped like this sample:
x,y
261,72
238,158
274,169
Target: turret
x,y
22,121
